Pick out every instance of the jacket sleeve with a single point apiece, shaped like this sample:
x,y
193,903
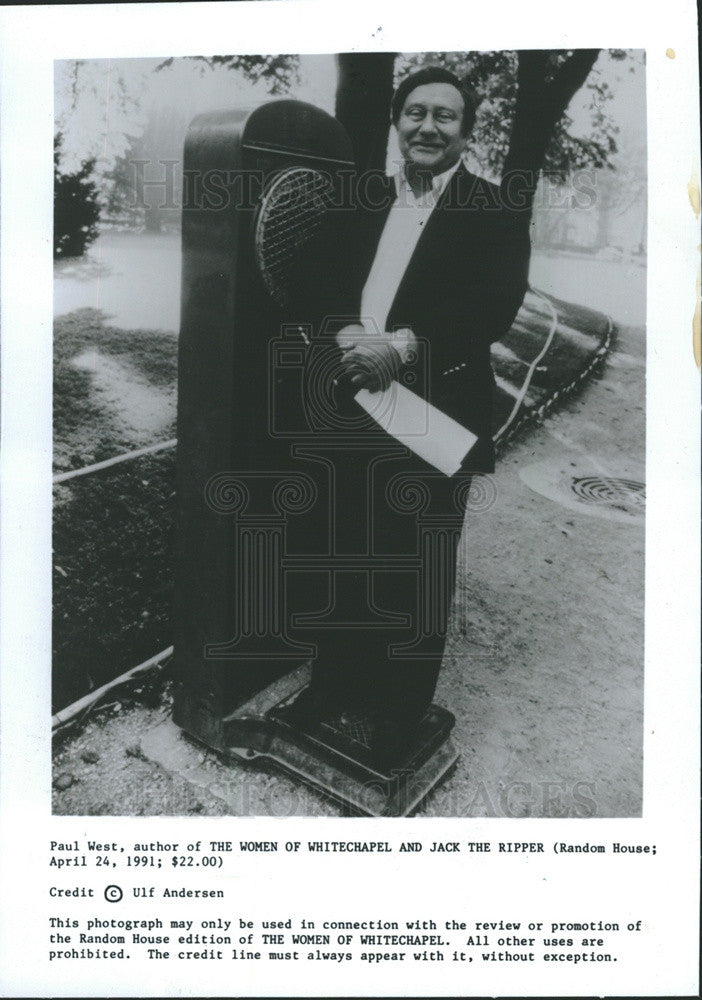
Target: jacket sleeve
x,y
474,305
484,308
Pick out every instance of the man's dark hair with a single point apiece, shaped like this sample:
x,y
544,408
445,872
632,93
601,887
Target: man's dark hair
x,y
435,74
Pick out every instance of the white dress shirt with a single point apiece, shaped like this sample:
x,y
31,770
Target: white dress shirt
x,y
403,227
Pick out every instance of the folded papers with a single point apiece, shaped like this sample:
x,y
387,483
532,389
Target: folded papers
x,y
437,438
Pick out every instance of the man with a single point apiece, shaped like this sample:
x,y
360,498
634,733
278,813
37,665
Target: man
x,y
430,269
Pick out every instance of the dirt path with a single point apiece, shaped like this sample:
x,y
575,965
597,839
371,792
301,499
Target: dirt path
x,y
143,411
544,670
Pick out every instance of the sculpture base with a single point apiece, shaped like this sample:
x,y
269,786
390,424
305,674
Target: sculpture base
x,y
333,756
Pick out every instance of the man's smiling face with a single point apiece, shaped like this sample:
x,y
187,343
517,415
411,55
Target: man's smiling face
x,y
430,127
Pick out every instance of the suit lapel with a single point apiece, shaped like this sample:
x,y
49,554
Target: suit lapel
x,y
432,240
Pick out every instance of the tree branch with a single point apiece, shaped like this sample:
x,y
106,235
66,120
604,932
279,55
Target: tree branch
x,y
539,107
570,77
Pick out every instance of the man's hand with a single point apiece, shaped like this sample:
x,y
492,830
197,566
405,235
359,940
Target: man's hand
x,y
349,335
371,364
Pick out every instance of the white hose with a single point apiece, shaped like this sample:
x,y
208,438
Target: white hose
x,y
61,477
532,367
67,715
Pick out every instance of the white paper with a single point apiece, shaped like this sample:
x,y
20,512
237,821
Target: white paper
x,y
431,434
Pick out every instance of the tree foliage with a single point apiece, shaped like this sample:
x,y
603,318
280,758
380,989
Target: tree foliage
x,y
366,81
76,206
280,72
98,108
523,121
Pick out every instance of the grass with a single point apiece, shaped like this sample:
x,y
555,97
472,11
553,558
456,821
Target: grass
x,y
112,531
86,429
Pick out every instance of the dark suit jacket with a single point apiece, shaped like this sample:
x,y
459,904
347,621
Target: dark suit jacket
x,y
460,292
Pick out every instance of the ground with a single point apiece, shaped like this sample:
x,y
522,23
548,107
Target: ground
x,y
147,296
544,666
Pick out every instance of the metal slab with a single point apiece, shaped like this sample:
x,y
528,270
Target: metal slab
x,y
333,757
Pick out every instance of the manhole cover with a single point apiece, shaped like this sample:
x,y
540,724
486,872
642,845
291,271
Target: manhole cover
x,y
622,494
614,498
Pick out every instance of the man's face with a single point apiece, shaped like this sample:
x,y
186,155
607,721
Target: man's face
x,y
429,128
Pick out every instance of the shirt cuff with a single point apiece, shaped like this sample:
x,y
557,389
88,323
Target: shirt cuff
x,y
404,342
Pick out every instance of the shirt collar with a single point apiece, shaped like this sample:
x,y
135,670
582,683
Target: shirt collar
x,y
438,184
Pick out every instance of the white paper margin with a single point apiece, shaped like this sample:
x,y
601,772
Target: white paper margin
x,y
31,38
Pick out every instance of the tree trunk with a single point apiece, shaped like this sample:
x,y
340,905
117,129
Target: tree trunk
x,y
363,97
539,107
